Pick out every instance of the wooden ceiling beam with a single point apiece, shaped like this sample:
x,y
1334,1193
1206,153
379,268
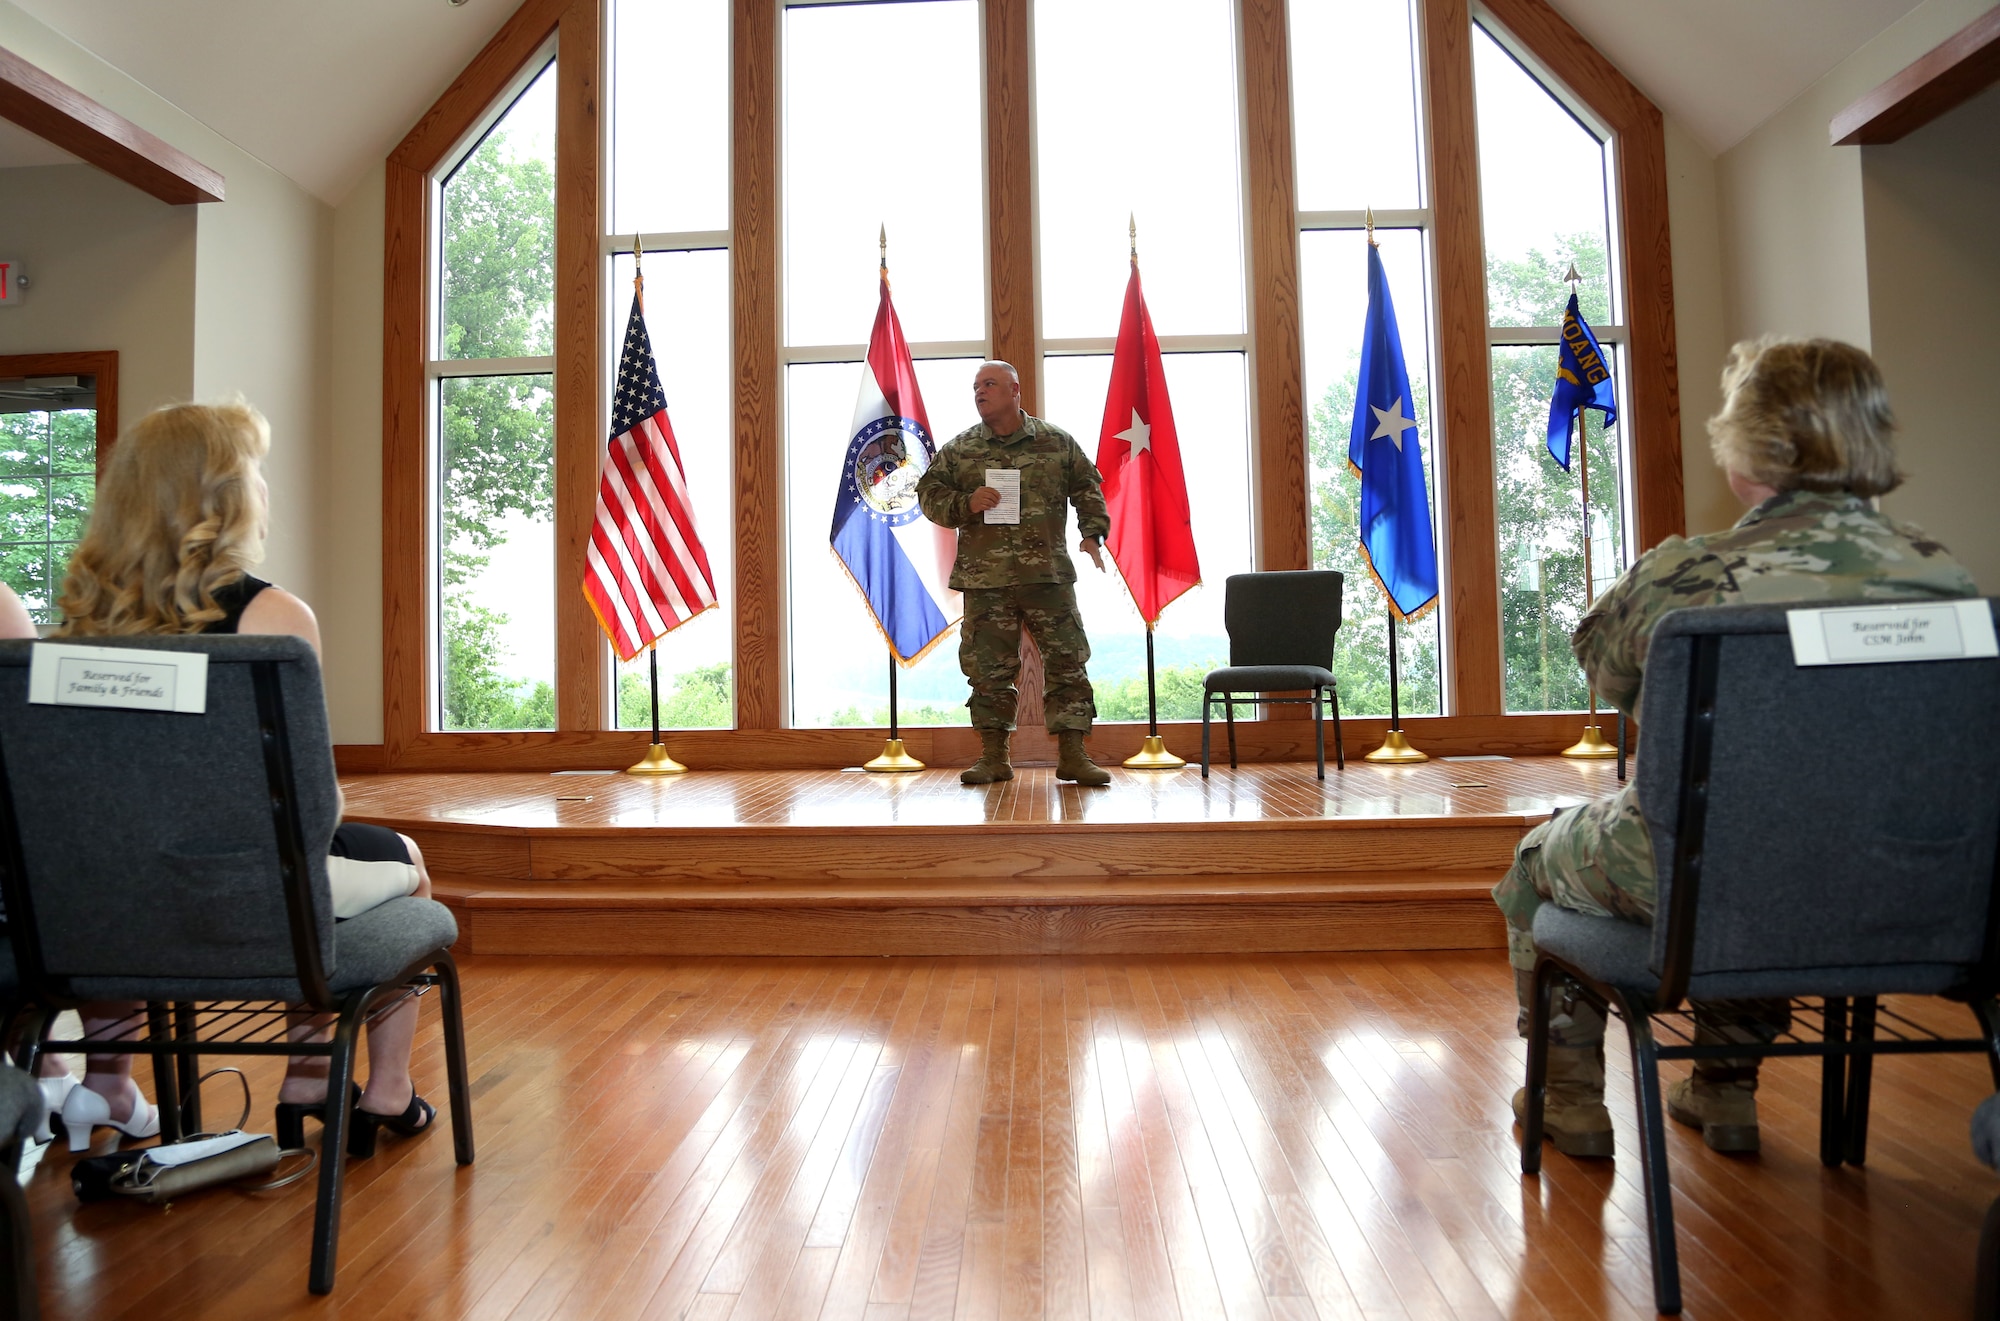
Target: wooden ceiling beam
x,y
53,110
1958,69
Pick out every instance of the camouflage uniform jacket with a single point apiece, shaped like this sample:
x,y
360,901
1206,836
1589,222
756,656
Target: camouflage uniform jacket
x,y
1797,546
1054,472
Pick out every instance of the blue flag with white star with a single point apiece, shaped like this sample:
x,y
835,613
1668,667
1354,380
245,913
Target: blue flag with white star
x,y
1583,380
1385,446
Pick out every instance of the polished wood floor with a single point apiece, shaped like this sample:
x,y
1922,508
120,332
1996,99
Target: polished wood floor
x,y
1279,1136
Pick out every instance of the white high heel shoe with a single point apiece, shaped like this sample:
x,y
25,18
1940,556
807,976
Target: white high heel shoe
x,y
55,1091
84,1110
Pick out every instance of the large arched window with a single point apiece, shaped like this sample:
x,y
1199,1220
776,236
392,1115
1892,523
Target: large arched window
x,y
757,147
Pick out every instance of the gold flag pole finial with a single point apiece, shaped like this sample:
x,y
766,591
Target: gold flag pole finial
x,y
639,275
882,238
1369,213
1593,746
1132,228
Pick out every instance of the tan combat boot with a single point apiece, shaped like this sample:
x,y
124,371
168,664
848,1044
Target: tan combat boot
x,y
1724,1109
992,764
1073,763
1573,1113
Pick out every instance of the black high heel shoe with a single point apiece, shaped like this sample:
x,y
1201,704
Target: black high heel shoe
x,y
417,1119
292,1116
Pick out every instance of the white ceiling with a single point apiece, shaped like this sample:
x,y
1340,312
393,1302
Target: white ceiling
x,y
1722,67
20,147
318,89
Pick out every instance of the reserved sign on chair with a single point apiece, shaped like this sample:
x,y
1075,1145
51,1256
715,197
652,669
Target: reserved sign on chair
x,y
70,674
1867,635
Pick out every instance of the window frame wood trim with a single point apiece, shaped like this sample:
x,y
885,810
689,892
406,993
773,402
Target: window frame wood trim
x,y
760,737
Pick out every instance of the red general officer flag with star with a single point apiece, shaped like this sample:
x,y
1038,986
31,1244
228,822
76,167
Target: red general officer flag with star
x,y
1139,453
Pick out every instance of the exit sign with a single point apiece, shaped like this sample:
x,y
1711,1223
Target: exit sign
x,y
12,286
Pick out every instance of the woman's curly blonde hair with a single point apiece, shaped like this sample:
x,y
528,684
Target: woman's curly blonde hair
x,y
180,512
1806,413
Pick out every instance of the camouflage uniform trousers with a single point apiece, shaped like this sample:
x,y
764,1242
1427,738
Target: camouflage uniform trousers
x,y
989,651
1597,858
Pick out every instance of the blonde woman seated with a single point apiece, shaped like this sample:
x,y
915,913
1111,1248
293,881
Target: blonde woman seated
x,y
181,515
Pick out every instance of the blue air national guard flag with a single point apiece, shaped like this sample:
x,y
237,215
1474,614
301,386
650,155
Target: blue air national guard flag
x,y
899,559
1384,446
1583,380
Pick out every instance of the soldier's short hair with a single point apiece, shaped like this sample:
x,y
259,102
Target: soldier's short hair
x,y
1805,413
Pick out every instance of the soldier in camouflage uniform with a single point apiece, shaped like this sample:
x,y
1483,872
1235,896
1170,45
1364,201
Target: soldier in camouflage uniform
x,y
1804,437
1017,575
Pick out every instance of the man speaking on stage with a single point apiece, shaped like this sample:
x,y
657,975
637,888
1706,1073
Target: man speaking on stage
x,y
1006,485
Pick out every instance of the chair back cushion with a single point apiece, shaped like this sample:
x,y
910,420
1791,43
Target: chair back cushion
x,y
1853,812
148,837
1286,617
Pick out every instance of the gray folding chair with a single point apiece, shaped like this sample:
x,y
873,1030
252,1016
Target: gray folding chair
x,y
179,861
1281,631
1827,833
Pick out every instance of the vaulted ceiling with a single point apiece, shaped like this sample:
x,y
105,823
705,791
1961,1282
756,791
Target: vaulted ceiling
x,y
318,89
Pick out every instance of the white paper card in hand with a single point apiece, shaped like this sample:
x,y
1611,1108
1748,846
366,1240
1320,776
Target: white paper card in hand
x,y
1007,481
1873,635
66,674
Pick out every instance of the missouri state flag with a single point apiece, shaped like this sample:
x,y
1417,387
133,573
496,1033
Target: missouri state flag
x,y
898,559
1139,454
1384,445
1583,380
645,571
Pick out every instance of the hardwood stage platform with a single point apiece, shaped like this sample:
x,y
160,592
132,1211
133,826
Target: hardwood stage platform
x,y
1261,859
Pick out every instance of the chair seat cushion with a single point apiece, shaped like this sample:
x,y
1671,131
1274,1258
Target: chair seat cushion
x,y
1266,678
20,1107
368,949
1605,949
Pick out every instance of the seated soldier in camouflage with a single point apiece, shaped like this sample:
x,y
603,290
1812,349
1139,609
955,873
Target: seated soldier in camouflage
x,y
1018,573
1805,438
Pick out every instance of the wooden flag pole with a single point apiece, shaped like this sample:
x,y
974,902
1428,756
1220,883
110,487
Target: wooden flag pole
x,y
656,761
892,760
1152,754
1592,746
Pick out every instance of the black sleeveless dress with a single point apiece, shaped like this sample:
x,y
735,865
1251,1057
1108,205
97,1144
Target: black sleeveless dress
x,y
353,839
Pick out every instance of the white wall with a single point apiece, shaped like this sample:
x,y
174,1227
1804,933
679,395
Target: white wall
x,y
1795,256
350,479
110,268
1694,218
257,306
1932,203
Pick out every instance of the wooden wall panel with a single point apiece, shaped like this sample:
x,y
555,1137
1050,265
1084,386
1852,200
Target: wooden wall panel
x,y
1278,368
1640,154
1010,195
579,342
753,254
1467,443
56,112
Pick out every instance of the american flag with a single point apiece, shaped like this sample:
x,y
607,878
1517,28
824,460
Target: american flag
x,y
647,571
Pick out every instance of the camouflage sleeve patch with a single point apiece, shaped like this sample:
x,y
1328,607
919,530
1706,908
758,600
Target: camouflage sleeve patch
x,y
1086,492
938,494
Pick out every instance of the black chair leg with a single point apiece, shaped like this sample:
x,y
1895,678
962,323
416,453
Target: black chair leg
x,y
1229,714
1339,753
1538,1067
166,1083
1207,705
1988,1014
1319,734
1860,1074
451,1009
1653,1153
333,1145
1832,1083
19,1300
188,1069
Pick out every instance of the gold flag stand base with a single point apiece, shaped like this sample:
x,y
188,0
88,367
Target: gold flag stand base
x,y
1591,746
1396,750
657,762
1154,757
892,760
